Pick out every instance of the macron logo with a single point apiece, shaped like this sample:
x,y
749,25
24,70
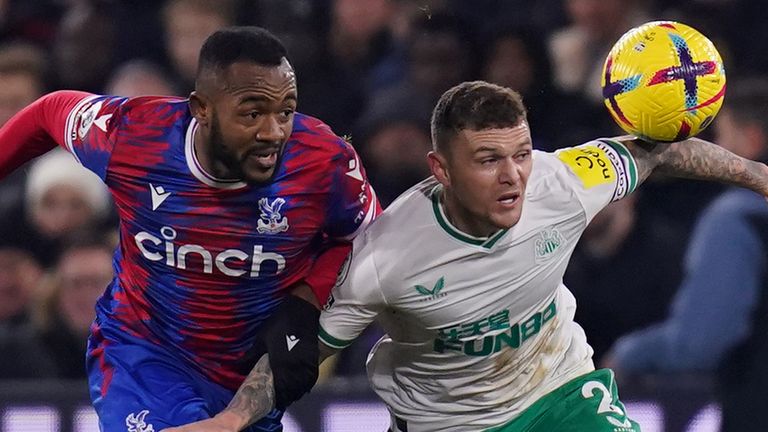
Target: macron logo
x,y
101,122
158,195
291,341
354,170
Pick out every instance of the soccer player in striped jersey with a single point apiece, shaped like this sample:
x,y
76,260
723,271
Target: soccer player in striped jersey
x,y
464,272
236,213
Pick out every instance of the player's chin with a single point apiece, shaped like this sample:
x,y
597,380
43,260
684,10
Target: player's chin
x,y
505,218
256,175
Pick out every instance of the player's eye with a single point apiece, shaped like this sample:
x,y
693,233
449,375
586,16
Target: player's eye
x,y
488,160
523,155
254,114
287,112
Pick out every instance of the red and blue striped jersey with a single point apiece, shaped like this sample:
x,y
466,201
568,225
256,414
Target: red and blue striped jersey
x,y
203,261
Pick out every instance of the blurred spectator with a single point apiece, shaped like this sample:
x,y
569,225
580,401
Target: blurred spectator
x,y
408,12
84,48
19,275
440,54
578,51
186,24
140,78
31,21
300,24
394,140
517,59
61,198
54,344
22,74
488,15
719,320
139,30
357,55
622,256
67,307
354,26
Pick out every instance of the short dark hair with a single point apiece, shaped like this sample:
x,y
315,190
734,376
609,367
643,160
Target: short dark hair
x,y
240,43
474,105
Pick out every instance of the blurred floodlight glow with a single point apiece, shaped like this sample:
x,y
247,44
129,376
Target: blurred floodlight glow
x,y
85,420
706,420
355,417
290,425
648,415
30,419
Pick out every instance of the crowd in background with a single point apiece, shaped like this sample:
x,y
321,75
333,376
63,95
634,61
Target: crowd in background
x,y
372,70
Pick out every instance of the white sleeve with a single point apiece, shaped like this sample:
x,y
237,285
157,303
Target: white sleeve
x,y
356,299
599,172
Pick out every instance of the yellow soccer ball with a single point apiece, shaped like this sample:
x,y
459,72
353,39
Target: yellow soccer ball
x,y
663,81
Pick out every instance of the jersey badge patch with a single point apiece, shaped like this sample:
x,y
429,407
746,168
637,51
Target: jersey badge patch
x,y
88,118
271,221
549,241
136,423
590,163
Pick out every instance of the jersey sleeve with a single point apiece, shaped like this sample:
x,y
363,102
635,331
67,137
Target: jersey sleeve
x,y
36,129
322,277
356,299
353,204
599,172
91,131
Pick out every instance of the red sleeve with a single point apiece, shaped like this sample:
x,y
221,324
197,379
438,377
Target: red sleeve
x,y
322,277
36,129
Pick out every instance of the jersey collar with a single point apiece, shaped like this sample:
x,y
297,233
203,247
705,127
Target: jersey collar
x,y
445,224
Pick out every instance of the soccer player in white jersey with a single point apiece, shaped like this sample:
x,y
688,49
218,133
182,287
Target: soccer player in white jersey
x,y
464,272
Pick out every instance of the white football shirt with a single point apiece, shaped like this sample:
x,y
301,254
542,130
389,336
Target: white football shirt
x,y
477,328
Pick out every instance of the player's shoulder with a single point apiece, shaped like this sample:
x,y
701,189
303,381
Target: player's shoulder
x,y
407,215
153,108
571,164
132,111
312,133
548,175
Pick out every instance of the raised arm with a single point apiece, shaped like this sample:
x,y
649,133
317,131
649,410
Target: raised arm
x,y
36,129
697,159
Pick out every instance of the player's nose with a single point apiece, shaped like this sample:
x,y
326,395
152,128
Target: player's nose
x,y
270,130
510,172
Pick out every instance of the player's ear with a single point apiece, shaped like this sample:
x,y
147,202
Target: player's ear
x,y
200,108
439,167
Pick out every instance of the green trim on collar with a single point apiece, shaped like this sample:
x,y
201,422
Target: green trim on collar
x,y
442,220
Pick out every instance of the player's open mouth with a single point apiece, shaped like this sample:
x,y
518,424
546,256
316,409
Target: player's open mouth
x,y
264,160
509,199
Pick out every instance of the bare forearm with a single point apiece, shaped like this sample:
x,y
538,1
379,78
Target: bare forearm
x,y
256,396
698,159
